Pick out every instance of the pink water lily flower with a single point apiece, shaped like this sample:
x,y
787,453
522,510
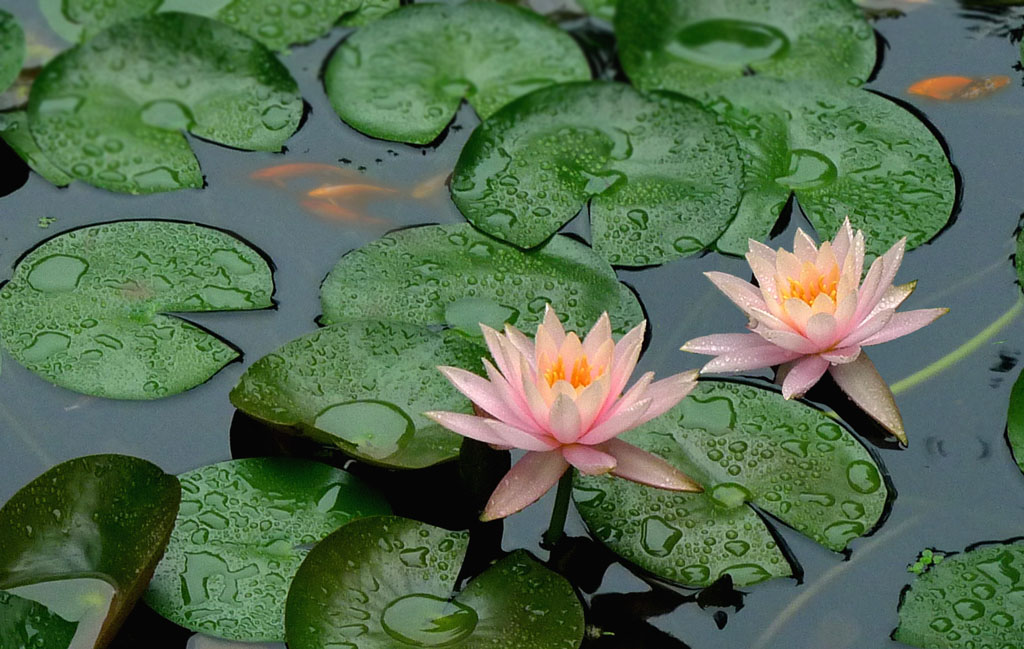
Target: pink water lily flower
x,y
810,313
562,400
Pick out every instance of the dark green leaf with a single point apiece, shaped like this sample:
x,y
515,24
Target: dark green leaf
x,y
601,8
243,530
663,178
385,582
688,45
438,275
112,111
973,599
362,386
403,77
14,131
1015,416
746,445
85,309
84,537
12,49
24,624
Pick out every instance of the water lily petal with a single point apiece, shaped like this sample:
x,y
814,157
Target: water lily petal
x,y
904,323
646,468
786,340
722,343
482,430
636,393
588,459
802,375
804,247
750,359
509,367
516,400
870,326
842,241
666,393
481,392
592,401
519,341
842,355
865,386
821,330
893,297
616,424
743,294
762,262
564,419
552,325
598,336
527,481
627,352
773,320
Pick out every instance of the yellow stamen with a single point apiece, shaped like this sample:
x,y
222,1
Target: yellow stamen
x,y
811,284
579,378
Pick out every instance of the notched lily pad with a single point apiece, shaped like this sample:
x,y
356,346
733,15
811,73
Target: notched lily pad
x,y
83,539
362,386
971,599
14,131
12,49
386,582
112,111
85,309
243,530
747,446
842,152
25,623
688,45
662,177
403,77
455,275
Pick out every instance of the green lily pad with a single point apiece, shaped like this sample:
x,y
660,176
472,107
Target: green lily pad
x,y
1015,417
386,582
444,274
86,309
973,599
14,131
747,446
369,11
25,623
663,178
112,111
362,386
842,152
604,9
403,77
243,530
12,49
688,45
83,539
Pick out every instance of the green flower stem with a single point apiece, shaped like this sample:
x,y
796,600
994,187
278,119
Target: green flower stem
x,y
961,352
560,510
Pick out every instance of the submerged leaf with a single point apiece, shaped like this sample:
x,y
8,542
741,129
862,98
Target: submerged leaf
x,y
403,77
14,131
385,582
688,45
112,112
663,179
12,49
83,539
362,386
747,446
85,309
244,528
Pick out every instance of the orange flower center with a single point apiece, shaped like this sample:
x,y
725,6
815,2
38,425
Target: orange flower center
x,y
811,284
580,377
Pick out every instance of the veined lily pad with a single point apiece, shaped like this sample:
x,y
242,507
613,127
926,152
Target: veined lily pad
x,y
663,178
843,152
14,131
12,49
243,530
112,111
403,77
85,309
454,275
25,623
83,539
362,386
688,45
973,599
1015,416
747,446
386,582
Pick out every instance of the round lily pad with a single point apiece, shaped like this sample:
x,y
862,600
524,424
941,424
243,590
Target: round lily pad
x,y
14,131
386,582
403,77
112,111
662,177
243,530
12,49
362,386
454,275
688,45
747,446
85,309
973,599
25,623
843,152
86,536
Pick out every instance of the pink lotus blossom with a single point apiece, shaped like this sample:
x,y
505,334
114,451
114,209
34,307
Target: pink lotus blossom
x,y
562,400
810,313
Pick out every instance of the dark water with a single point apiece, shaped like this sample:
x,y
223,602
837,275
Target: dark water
x,y
957,483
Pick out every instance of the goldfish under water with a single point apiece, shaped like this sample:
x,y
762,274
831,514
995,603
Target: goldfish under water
x,y
279,173
956,88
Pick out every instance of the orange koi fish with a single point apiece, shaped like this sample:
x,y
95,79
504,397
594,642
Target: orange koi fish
x,y
336,191
954,88
330,211
278,173
430,186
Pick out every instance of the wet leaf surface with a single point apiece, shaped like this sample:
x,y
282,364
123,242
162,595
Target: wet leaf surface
x,y
86,309
1015,418
24,624
243,530
84,537
14,131
842,152
972,599
688,45
362,386
383,582
663,179
454,275
112,111
747,446
403,77
12,49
